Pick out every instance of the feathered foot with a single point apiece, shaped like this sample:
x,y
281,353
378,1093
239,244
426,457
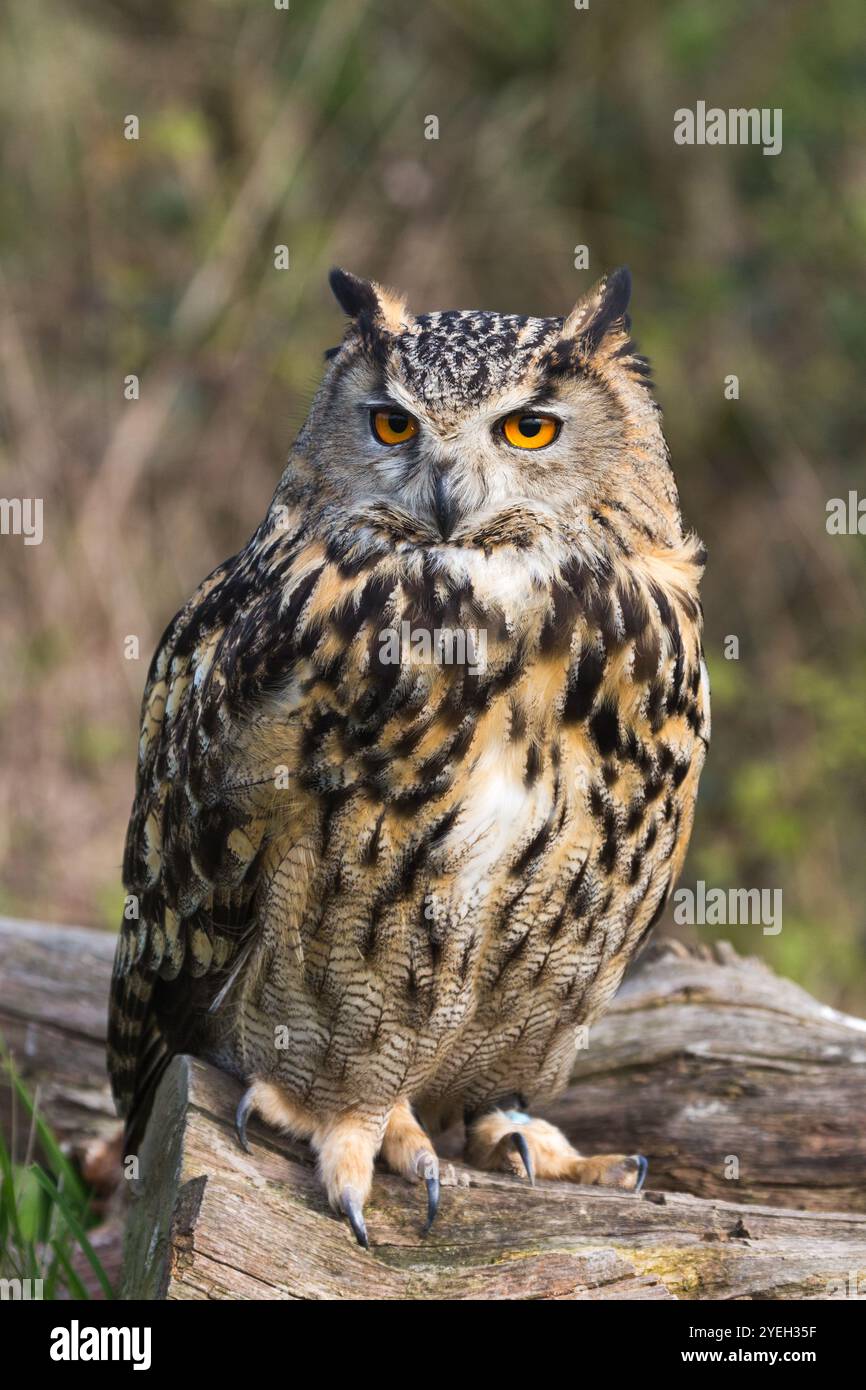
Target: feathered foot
x,y
346,1146
510,1141
407,1150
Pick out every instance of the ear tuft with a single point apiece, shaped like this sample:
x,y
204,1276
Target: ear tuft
x,y
601,310
374,305
617,294
354,296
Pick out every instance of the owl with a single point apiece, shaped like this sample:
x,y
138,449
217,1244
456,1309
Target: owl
x,y
418,766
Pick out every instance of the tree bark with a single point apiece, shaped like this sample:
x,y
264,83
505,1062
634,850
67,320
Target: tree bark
x,y
53,1012
734,1082
747,1096
211,1222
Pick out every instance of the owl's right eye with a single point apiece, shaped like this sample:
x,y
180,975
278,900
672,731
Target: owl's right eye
x,y
392,426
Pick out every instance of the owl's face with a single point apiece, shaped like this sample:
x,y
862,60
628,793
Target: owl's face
x,y
464,424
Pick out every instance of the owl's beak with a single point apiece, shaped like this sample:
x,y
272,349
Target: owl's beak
x,y
445,507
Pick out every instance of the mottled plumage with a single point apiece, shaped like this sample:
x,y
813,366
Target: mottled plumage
x,y
375,890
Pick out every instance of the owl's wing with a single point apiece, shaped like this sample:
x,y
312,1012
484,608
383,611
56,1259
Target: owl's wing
x,y
193,847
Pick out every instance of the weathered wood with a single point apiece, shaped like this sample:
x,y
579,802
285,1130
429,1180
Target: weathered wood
x,y
704,1057
214,1222
707,1057
53,1010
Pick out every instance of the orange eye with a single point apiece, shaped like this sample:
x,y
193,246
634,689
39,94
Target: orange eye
x,y
530,431
392,426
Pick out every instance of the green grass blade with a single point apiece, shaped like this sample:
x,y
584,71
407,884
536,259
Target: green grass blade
x,y
75,1226
73,1280
57,1159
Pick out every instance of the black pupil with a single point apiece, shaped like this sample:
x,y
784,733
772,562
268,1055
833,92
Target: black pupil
x,y
397,423
530,425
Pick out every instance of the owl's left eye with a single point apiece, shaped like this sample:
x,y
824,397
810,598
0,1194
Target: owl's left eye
x,y
392,426
525,430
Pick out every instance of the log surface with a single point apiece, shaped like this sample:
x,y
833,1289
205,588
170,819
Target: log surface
x,y
53,1012
707,1057
211,1222
747,1096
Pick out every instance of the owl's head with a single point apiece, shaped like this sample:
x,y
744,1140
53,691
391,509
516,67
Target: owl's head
x,y
466,428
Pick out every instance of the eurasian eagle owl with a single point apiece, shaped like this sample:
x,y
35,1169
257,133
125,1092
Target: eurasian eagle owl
x,y
418,766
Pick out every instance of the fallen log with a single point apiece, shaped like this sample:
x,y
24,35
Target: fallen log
x,y
735,1083
747,1096
53,1009
212,1222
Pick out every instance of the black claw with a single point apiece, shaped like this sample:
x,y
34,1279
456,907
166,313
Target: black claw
x,y
352,1210
520,1146
643,1167
432,1201
242,1114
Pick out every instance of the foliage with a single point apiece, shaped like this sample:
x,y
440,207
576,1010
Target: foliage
x,y
306,127
44,1211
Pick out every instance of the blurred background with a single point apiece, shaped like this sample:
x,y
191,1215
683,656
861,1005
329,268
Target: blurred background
x,y
306,127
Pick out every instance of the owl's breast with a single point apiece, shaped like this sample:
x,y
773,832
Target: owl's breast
x,y
468,840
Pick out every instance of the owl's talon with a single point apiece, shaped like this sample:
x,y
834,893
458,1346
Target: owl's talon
x,y
433,1192
520,1146
242,1114
493,1143
407,1150
351,1209
643,1169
